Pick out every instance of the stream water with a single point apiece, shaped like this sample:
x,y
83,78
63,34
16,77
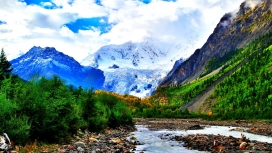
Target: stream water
x,y
154,144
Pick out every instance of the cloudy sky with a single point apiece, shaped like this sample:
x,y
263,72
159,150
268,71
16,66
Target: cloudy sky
x,y
81,27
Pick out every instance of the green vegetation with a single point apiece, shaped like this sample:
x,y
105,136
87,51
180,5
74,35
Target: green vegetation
x,y
49,111
4,65
247,93
235,56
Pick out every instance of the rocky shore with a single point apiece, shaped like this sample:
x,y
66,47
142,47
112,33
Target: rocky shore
x,y
255,127
121,140
209,142
219,143
118,140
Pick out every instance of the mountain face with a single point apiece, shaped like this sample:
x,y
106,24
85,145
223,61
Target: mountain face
x,y
140,83
148,54
233,31
133,68
48,62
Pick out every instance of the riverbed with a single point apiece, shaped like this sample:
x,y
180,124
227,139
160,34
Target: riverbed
x,y
158,139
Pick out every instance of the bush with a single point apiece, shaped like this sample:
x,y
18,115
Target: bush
x,y
17,127
100,120
120,115
111,111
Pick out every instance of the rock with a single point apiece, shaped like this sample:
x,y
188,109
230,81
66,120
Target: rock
x,y
243,145
91,140
62,150
80,149
132,138
195,127
72,148
115,141
80,144
97,150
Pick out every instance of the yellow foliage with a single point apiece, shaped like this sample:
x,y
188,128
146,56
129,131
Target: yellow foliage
x,y
128,99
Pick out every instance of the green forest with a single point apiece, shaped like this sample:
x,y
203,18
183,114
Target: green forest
x,y
247,93
50,111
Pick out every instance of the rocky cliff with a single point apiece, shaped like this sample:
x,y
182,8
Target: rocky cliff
x,y
233,31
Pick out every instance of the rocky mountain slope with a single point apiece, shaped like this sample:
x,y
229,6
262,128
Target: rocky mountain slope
x,y
233,31
48,62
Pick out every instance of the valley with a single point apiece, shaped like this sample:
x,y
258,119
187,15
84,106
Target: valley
x,y
147,96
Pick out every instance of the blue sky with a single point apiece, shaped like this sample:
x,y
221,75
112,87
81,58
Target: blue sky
x,y
80,27
2,22
89,23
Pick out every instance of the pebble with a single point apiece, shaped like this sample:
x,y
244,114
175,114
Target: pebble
x,y
218,143
113,140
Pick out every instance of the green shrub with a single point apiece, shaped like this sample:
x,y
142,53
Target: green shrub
x,y
121,115
17,127
101,118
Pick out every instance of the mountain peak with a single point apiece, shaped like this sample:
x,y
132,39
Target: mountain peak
x,y
48,62
148,54
38,50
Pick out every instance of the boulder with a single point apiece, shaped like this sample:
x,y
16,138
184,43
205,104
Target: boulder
x,y
79,144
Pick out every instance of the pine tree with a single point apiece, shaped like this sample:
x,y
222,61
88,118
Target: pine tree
x,y
4,64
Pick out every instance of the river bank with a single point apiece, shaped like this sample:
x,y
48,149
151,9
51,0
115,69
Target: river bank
x,y
118,140
255,127
168,135
207,136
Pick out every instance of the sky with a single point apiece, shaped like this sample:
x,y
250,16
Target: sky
x,y
80,27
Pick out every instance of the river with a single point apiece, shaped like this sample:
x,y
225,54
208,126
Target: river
x,y
154,144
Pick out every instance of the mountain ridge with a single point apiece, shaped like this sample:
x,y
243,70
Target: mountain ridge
x,y
48,62
147,54
230,33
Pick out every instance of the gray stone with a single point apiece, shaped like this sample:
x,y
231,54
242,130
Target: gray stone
x,y
80,144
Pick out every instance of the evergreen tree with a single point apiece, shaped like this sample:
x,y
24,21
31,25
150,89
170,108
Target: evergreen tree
x,y
4,64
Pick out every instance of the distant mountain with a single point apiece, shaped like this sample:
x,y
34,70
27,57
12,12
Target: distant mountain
x,y
140,83
148,54
133,68
48,62
232,32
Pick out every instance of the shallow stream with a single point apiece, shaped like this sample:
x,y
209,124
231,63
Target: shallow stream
x,y
154,144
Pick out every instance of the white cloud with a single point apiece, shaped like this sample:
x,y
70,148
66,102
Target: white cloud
x,y
187,23
113,4
66,32
47,4
252,3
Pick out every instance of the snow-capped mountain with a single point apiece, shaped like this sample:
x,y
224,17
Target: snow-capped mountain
x,y
48,62
148,54
140,83
134,68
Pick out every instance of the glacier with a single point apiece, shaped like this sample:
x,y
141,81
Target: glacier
x,y
134,68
